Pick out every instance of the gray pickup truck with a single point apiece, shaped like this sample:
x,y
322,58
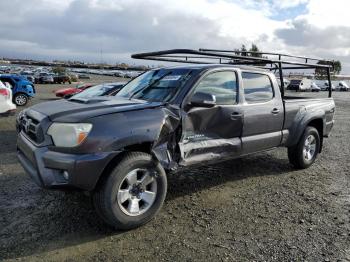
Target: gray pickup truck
x,y
121,148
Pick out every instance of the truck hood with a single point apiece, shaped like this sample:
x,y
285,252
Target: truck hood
x,y
75,110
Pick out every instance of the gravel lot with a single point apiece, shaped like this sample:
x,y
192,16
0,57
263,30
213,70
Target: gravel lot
x,y
253,209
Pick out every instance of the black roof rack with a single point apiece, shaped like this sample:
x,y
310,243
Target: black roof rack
x,y
267,60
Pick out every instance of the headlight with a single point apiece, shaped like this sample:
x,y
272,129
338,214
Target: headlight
x,y
69,135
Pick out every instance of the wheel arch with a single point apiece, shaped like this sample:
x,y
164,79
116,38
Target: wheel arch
x,y
319,125
145,147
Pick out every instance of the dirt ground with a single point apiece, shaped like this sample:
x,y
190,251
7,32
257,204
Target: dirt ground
x,y
252,209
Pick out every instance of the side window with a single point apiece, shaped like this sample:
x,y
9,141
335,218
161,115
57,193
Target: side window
x,y
222,85
257,87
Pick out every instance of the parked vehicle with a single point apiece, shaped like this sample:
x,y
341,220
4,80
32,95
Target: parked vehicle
x,y
6,106
28,75
119,74
343,86
315,87
62,79
325,87
83,76
106,89
121,148
22,89
30,78
300,84
47,79
70,91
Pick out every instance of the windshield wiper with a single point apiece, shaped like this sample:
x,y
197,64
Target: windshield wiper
x,y
148,86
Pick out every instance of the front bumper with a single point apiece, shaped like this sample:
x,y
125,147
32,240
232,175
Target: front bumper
x,y
47,167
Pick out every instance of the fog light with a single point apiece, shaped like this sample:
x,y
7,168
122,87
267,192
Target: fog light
x,y
65,175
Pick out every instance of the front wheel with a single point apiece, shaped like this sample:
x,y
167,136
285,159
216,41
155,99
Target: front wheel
x,y
20,99
133,193
304,154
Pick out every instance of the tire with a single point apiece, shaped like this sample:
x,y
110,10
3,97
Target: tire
x,y
20,99
124,202
304,154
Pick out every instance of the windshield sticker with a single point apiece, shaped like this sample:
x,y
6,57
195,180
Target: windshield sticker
x,y
171,78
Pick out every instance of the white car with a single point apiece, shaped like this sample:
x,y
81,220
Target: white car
x,y
325,87
315,87
6,106
342,86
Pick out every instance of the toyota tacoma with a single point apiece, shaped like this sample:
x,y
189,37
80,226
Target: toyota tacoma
x,y
121,148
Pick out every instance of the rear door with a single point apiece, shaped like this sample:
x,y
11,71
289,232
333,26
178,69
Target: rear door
x,y
211,134
263,113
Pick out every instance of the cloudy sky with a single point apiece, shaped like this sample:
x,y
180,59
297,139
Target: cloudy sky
x,y
80,29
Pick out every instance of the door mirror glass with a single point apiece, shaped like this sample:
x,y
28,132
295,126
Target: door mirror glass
x,y
201,99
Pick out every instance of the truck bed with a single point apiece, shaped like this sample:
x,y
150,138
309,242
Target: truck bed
x,y
299,110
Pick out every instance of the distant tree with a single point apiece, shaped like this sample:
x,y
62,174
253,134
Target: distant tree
x,y
237,51
322,73
59,70
124,66
254,48
244,51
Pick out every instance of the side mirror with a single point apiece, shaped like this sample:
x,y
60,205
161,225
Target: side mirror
x,y
203,100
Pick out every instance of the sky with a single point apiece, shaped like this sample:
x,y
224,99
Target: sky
x,y
111,30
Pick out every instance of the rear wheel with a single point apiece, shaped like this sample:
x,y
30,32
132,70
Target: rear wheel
x,y
20,99
133,193
305,152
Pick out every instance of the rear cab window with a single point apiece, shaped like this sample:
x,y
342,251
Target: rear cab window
x,y
257,87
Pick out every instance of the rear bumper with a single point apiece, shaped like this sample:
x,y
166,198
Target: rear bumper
x,y
47,167
8,109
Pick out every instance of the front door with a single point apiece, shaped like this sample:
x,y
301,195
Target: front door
x,y
212,133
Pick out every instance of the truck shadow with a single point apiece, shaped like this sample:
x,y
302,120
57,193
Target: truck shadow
x,y
204,177
35,221
8,141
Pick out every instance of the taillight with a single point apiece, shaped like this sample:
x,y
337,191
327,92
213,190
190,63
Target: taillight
x,y
4,92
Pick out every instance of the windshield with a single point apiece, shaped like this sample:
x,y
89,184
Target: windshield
x,y
98,90
156,85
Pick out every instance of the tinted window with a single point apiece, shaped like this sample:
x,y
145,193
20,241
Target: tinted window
x,y
222,85
257,87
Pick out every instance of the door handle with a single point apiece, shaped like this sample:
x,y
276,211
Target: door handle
x,y
236,115
275,111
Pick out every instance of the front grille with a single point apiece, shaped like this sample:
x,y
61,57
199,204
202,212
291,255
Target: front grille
x,y
31,127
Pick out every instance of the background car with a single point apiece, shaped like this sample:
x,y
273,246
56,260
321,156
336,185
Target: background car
x,y
22,89
28,75
325,87
343,86
83,76
6,106
70,91
315,87
106,89
62,79
47,79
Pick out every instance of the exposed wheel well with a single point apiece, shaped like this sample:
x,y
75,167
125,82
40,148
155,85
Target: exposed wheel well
x,y
318,124
142,147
